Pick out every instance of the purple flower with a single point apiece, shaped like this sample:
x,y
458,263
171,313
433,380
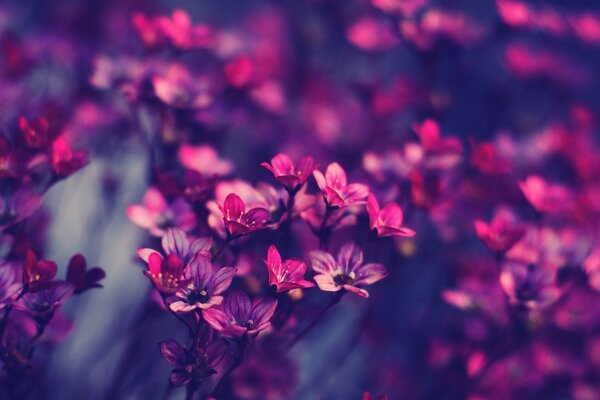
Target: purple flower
x,y
335,187
347,272
194,365
43,303
286,275
157,215
205,283
238,220
388,220
289,175
167,272
176,242
82,278
237,316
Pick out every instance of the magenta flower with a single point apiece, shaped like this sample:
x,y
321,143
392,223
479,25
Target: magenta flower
x,y
502,232
237,316
238,220
157,215
288,274
203,159
347,272
176,242
546,197
165,273
205,283
38,274
388,220
335,187
289,175
80,277
35,133
65,160
195,365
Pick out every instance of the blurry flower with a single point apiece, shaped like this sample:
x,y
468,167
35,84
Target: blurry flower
x,y
157,215
178,88
528,285
203,159
289,175
42,304
545,197
502,232
370,34
193,365
238,220
205,284
35,133
336,189
237,316
441,152
347,272
65,161
80,277
388,220
286,275
240,71
369,396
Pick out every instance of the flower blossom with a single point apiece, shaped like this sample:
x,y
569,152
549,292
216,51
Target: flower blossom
x,y
80,277
205,283
335,187
289,174
167,272
157,215
237,316
38,274
502,232
347,272
238,220
286,275
388,220
194,365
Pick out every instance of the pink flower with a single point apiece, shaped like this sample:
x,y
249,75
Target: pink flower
x,y
176,242
442,152
237,316
65,161
502,232
372,35
336,189
238,220
286,275
388,220
179,88
289,175
157,215
240,71
545,197
205,283
347,272
203,159
166,272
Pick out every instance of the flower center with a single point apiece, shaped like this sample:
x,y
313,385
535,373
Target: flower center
x,y
343,279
